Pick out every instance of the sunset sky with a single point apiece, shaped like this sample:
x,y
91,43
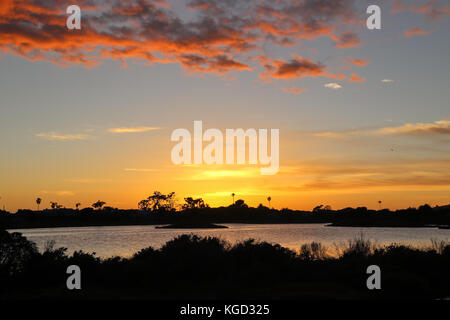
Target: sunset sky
x,y
364,115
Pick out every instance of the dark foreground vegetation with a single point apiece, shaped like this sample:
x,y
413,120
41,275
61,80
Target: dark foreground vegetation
x,y
192,267
161,208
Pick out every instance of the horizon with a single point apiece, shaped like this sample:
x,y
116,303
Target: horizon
x,y
178,203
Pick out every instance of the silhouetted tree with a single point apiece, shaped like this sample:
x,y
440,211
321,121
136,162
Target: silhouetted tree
x,y
38,202
55,205
98,205
322,209
158,202
77,205
269,199
240,204
425,208
233,196
317,209
194,203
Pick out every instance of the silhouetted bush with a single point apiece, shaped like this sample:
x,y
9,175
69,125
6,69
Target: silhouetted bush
x,y
313,251
190,266
15,252
358,247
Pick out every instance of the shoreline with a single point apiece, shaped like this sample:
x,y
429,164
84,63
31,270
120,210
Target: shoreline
x,y
221,225
424,217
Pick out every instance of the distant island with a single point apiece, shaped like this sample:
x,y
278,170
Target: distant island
x,y
162,209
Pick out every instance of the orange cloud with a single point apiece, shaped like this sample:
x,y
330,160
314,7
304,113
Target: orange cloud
x,y
61,137
133,129
360,63
437,127
218,37
355,78
414,31
294,90
398,6
219,64
348,40
440,127
297,67
433,9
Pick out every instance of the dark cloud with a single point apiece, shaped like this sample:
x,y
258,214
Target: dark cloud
x,y
348,39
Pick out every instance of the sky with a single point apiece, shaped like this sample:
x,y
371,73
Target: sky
x,y
87,115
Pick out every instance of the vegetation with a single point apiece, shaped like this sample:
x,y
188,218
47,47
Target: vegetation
x,y
192,204
98,205
190,266
38,202
160,208
158,203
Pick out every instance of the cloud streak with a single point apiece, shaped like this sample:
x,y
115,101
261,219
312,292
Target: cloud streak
x,y
53,136
433,9
357,174
140,170
294,90
58,192
415,31
355,78
441,127
436,128
133,129
333,86
360,62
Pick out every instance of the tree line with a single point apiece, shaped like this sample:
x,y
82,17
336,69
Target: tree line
x,y
156,203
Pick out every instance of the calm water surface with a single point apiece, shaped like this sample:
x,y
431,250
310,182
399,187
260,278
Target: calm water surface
x,y
126,240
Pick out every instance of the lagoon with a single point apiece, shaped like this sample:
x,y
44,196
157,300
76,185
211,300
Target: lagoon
x,y
123,241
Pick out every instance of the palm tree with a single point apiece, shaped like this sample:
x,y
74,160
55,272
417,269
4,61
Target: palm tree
x,y
77,205
233,196
269,199
38,202
379,204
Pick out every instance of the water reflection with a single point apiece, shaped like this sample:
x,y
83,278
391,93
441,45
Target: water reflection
x,y
126,240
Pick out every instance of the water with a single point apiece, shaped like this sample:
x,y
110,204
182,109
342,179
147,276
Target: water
x,y
126,240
